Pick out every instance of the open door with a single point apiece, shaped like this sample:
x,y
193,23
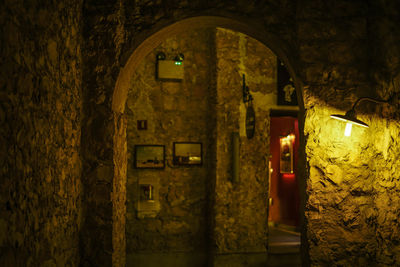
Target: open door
x,y
284,202
284,189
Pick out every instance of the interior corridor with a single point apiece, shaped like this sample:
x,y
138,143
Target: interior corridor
x,y
283,246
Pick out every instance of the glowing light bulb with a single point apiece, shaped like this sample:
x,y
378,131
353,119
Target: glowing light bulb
x,y
347,131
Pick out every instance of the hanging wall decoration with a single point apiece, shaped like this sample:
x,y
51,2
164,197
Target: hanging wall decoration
x,y
286,91
250,114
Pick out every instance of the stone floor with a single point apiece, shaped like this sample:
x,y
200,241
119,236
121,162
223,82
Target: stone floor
x,y
283,247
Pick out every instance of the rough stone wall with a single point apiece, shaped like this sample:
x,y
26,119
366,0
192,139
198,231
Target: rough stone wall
x,y
40,118
342,50
335,66
111,30
353,186
353,181
102,240
119,192
241,208
385,75
275,15
175,112
181,112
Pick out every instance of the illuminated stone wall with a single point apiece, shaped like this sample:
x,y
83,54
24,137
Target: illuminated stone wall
x,y
353,182
111,30
340,50
241,208
385,71
175,112
40,117
185,111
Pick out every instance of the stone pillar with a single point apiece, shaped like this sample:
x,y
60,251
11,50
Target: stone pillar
x,y
103,139
40,132
119,190
241,208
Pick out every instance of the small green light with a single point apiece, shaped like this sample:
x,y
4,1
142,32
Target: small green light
x,y
178,62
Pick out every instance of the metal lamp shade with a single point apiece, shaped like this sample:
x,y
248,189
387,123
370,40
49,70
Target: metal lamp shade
x,y
350,117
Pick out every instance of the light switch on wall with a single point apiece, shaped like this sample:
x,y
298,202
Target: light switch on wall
x,y
142,124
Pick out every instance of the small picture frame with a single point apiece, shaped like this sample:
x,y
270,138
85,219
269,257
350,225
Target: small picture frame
x,y
188,153
286,153
149,157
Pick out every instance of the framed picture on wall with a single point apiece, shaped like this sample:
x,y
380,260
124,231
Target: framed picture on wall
x,y
149,157
187,153
286,154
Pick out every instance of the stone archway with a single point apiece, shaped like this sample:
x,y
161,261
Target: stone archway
x,y
145,44
150,40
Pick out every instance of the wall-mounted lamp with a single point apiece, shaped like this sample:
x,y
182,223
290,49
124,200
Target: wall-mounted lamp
x,y
179,59
351,118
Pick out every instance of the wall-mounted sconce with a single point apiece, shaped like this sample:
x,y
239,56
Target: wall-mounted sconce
x,y
179,59
350,117
169,69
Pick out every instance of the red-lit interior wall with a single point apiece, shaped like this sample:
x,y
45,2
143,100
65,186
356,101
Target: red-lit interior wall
x,y
284,189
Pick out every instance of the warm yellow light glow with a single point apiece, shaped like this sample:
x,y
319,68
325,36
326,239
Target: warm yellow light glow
x,y
347,131
348,121
288,139
286,153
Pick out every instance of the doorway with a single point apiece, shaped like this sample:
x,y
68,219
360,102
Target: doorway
x,y
284,197
119,100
